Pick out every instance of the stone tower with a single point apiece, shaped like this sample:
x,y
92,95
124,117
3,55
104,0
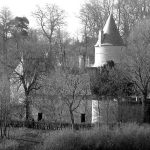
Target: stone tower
x,y
108,47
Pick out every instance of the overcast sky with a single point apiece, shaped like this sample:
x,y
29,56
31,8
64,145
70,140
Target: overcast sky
x,y
26,7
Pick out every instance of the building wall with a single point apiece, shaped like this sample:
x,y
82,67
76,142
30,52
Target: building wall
x,y
84,108
106,53
130,112
56,110
112,112
104,112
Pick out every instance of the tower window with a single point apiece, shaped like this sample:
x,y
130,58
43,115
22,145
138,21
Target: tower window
x,y
82,118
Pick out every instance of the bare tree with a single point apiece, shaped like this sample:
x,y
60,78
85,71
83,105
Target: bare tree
x,y
128,13
47,99
32,68
5,17
93,15
138,62
50,19
62,45
73,88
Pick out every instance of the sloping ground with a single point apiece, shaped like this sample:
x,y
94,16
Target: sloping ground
x,y
22,139
7,144
29,139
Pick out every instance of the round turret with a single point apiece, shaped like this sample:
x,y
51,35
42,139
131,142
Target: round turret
x,y
109,45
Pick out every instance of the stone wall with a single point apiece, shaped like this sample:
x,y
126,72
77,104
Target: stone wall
x,y
130,112
112,112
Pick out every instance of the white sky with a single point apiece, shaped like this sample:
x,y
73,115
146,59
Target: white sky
x,y
26,7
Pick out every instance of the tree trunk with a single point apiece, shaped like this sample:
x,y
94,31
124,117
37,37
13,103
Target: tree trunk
x,y
27,105
99,113
107,111
146,109
72,119
5,89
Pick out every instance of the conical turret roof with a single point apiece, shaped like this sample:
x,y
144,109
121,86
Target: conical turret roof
x,y
111,34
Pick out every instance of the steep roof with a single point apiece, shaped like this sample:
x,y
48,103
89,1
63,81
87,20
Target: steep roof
x,y
110,33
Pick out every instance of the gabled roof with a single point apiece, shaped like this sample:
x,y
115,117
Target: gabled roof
x,y
110,34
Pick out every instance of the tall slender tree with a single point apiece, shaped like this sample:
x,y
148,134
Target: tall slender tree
x,y
5,17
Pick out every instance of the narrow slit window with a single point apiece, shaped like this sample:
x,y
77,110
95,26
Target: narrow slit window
x,y
39,116
82,118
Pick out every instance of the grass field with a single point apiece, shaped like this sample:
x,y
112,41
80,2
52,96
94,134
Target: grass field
x,y
21,139
125,137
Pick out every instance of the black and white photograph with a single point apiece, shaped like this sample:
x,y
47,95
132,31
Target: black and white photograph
x,y
74,75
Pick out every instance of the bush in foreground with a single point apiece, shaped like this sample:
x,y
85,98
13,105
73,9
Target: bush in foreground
x,y
125,137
